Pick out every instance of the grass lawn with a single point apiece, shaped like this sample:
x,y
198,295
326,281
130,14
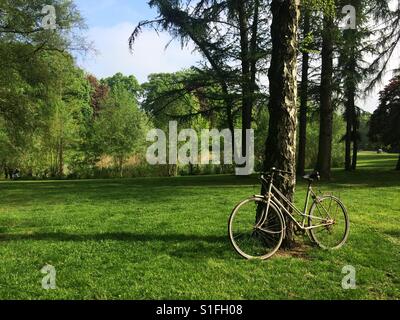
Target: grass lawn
x,y
166,238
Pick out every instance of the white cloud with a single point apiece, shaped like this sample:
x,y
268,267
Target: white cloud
x,y
149,55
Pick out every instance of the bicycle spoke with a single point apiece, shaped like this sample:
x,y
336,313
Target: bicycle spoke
x,y
260,239
332,235
239,235
329,209
324,209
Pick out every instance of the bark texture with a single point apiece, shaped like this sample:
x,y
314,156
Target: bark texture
x,y
301,158
281,141
350,118
324,161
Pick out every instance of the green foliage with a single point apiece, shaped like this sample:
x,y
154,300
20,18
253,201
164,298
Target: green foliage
x,y
120,127
8,151
328,7
41,91
129,83
179,97
384,126
52,102
364,141
21,22
57,121
260,133
339,130
167,99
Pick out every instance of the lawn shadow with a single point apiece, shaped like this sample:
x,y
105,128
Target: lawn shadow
x,y
113,236
178,245
393,233
93,191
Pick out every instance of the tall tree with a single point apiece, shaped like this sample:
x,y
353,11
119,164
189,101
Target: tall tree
x,y
385,122
349,65
229,34
67,110
99,93
354,45
28,63
280,148
326,90
129,83
119,129
304,93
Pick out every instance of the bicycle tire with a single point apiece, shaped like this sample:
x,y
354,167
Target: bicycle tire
x,y
265,241
323,236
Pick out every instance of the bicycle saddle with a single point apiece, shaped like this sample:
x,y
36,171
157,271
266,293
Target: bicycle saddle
x,y
315,176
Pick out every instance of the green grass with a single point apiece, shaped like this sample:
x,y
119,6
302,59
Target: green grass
x,y
167,239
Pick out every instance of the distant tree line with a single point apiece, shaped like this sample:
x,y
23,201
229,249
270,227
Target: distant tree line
x,y
57,121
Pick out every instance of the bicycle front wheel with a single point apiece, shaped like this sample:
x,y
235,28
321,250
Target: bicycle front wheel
x,y
329,223
254,231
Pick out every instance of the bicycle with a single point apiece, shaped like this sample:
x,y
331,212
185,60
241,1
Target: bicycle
x,y
257,225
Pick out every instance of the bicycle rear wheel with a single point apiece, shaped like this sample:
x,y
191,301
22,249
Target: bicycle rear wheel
x,y
329,210
254,232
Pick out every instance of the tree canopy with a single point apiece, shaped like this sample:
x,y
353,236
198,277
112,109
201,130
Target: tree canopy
x,y
385,121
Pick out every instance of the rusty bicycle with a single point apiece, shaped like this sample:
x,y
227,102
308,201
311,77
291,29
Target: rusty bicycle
x,y
257,225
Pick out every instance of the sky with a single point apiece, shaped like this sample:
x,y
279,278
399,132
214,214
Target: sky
x,y
111,22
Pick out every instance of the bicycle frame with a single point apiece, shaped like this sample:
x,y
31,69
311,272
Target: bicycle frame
x,y
271,197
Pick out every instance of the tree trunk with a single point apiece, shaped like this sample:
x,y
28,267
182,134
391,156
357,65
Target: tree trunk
x,y
247,96
350,87
281,142
254,47
301,161
355,152
229,106
191,169
326,108
347,161
350,115
356,126
121,166
61,158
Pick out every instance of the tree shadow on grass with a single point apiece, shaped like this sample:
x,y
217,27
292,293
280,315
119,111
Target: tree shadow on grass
x,y
178,245
93,191
113,236
393,233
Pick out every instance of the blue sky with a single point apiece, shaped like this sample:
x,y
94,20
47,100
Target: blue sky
x,y
110,24
107,13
